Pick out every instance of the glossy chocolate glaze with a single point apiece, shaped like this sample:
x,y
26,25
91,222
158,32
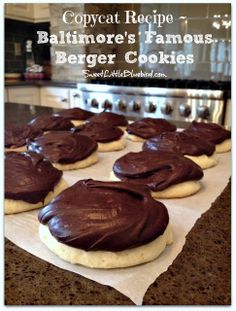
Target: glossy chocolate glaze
x,y
110,216
29,177
63,147
17,135
51,123
109,118
75,114
149,127
209,131
158,170
180,142
99,132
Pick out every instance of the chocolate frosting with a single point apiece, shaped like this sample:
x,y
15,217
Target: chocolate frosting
x,y
75,114
99,132
149,127
158,170
17,135
63,147
51,123
180,142
108,216
109,118
29,177
209,131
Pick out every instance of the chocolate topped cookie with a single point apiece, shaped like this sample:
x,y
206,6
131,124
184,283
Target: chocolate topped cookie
x,y
197,149
212,132
17,135
179,142
109,138
29,179
148,127
76,115
110,118
64,148
51,123
159,170
95,219
99,132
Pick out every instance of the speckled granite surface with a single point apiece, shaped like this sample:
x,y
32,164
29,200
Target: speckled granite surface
x,y
200,275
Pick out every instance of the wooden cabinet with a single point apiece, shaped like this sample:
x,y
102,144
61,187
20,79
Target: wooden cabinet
x,y
19,10
48,96
56,97
41,12
23,95
29,12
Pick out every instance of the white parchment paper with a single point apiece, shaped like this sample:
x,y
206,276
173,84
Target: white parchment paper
x,y
22,229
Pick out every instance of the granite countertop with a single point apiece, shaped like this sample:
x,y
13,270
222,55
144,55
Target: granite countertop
x,y
200,275
39,83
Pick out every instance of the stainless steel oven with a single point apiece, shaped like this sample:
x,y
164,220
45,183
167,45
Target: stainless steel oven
x,y
180,105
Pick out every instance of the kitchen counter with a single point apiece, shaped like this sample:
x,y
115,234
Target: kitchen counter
x,y
200,275
22,114
20,83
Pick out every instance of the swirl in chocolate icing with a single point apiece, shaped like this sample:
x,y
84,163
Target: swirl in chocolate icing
x,y
99,132
149,127
75,114
209,131
51,123
109,216
180,142
29,177
109,118
63,147
17,135
158,170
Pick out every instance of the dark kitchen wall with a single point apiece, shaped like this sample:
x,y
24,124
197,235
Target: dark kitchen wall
x,y
16,33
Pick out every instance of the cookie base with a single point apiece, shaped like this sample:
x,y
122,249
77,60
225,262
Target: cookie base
x,y
180,190
107,259
19,149
90,160
123,128
18,206
204,161
225,146
136,138
77,122
113,146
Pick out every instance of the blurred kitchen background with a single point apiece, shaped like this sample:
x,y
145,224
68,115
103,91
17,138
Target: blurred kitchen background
x,y
31,77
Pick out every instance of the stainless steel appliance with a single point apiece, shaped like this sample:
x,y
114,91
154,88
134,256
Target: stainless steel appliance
x,y
180,105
